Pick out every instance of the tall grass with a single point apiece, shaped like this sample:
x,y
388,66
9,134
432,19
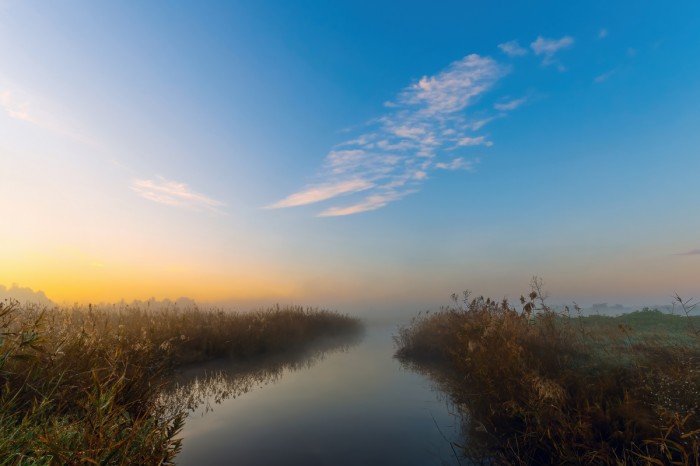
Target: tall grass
x,y
540,387
83,385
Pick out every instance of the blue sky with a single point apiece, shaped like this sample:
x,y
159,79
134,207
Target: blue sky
x,y
350,154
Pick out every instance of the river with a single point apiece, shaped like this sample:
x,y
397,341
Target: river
x,y
357,406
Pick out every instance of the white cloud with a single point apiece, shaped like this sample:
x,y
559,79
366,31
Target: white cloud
x,y
478,124
396,151
408,132
373,202
457,164
549,47
512,49
172,193
510,105
342,161
387,145
321,193
23,106
453,89
601,78
16,107
477,141
362,140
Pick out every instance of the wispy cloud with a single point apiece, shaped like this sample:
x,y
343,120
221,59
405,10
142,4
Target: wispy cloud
x,y
474,141
321,193
548,48
478,124
601,78
16,107
176,194
512,49
452,89
603,33
397,150
510,105
21,105
372,202
457,164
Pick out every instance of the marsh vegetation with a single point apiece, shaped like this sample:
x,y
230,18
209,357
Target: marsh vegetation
x,y
537,386
86,386
531,384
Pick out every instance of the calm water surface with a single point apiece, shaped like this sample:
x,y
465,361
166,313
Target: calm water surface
x,y
349,408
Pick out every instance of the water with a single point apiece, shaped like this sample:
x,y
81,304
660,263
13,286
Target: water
x,y
351,408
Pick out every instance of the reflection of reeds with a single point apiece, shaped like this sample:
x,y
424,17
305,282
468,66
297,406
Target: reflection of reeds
x,y
540,387
83,385
199,386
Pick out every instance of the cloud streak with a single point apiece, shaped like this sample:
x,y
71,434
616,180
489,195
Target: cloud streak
x,y
510,105
372,202
457,164
175,194
16,107
321,193
22,106
474,141
548,48
512,49
601,78
426,128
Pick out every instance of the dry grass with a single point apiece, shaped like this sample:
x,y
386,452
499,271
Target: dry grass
x,y
538,387
82,385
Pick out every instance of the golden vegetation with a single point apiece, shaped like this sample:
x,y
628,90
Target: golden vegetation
x,y
84,385
540,387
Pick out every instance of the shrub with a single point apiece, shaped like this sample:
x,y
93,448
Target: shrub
x,y
541,387
82,385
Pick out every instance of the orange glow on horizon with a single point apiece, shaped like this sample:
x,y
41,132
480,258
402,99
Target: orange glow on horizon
x,y
81,278
83,290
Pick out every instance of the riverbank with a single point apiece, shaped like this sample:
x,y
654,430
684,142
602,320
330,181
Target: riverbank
x,y
82,384
539,387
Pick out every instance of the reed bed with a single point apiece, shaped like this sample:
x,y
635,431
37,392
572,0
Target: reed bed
x,y
83,385
537,386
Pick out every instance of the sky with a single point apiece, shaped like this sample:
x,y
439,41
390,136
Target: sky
x,y
350,154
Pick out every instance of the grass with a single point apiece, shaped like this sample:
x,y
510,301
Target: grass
x,y
540,387
84,385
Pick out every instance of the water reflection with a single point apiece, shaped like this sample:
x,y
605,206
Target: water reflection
x,y
444,386
200,387
346,406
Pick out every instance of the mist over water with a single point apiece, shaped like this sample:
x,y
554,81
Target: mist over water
x,y
348,405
